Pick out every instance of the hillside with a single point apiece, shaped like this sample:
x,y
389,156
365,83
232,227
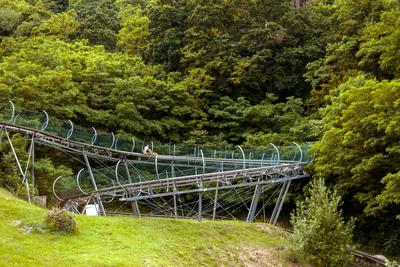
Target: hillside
x,y
124,241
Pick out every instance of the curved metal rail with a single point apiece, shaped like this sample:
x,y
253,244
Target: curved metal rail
x,y
172,173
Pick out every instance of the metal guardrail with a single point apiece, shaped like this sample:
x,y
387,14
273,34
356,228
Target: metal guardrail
x,y
175,168
375,259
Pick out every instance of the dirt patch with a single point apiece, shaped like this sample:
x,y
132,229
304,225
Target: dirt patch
x,y
264,256
28,228
276,231
15,223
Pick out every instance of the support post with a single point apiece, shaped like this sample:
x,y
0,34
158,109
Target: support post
x,y
93,181
254,203
175,206
134,204
279,203
215,202
33,161
135,208
1,136
128,174
199,216
24,178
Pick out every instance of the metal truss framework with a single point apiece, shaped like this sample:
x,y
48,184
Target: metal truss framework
x,y
178,181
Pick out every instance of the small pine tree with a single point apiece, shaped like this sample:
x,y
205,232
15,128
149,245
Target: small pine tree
x,y
320,235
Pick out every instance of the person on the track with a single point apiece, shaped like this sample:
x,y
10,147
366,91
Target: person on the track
x,y
148,151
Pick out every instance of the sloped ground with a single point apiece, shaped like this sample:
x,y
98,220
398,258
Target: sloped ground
x,y
125,241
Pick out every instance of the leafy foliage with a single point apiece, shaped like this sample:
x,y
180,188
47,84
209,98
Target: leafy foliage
x,y
99,21
219,72
320,235
359,150
60,221
134,34
354,45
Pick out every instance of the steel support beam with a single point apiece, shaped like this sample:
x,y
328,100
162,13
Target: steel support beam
x,y
128,174
93,181
211,177
33,161
134,204
215,201
254,203
1,131
199,216
175,206
277,202
24,178
135,209
280,201
207,189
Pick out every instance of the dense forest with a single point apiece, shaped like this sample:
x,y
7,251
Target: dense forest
x,y
247,72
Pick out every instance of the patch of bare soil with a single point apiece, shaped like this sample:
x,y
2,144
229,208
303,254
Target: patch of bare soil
x,y
265,228
264,256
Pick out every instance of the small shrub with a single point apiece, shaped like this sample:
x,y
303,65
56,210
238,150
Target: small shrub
x,y
389,263
60,221
320,235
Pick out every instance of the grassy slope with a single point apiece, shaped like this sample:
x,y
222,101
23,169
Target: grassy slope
x,y
124,241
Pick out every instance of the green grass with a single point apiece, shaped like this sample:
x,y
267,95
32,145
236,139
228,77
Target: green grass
x,y
126,241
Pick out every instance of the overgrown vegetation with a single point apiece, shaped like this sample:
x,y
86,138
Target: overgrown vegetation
x,y
320,234
60,221
221,72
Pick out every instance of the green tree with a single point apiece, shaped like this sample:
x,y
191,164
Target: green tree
x,y
133,37
61,25
167,23
57,6
359,152
320,234
350,32
227,119
11,15
378,50
276,122
19,18
99,22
